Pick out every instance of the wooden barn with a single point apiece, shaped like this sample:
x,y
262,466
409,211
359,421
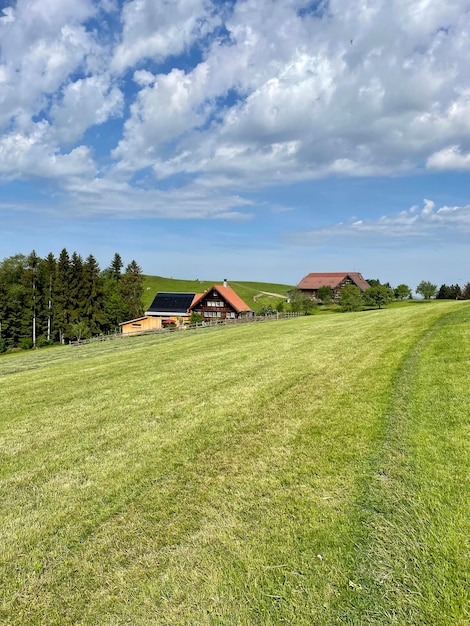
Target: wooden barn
x,y
310,284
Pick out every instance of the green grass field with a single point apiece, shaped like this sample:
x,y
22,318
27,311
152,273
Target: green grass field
x,y
248,291
311,471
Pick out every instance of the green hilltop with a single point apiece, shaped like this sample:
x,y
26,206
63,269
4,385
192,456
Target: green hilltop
x,y
255,294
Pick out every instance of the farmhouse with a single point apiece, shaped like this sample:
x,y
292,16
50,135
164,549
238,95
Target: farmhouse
x,y
310,284
220,302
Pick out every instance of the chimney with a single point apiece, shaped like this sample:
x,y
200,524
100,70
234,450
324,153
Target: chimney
x,y
225,282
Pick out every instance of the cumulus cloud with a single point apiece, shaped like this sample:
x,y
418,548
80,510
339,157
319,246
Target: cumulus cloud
x,y
449,159
157,30
244,94
413,223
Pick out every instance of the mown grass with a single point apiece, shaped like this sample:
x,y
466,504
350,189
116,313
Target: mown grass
x,y
248,291
306,471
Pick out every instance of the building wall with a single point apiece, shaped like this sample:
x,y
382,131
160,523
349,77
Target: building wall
x,y
213,307
140,325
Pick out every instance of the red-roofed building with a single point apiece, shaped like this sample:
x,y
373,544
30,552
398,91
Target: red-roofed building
x,y
220,302
310,284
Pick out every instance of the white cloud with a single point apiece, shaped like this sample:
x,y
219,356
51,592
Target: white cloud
x,y
280,92
449,159
410,224
157,30
26,155
84,103
103,196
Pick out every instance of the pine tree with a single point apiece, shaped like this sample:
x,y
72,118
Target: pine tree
x,y
30,281
62,294
47,274
15,325
132,290
116,267
93,293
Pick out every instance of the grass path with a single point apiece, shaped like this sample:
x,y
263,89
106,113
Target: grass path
x,y
311,471
413,557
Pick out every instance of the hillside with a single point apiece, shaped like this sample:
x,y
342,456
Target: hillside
x,y
310,471
255,294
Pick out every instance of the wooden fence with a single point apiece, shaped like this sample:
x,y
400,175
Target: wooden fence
x,y
201,326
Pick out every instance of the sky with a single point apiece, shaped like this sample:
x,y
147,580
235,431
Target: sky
x,y
247,139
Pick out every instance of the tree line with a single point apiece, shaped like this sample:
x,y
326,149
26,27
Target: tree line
x,y
55,300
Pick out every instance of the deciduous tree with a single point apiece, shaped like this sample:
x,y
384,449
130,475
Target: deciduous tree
x,y
325,294
426,289
350,298
402,292
378,296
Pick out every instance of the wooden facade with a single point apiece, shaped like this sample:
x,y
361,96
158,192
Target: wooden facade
x,y
141,325
220,302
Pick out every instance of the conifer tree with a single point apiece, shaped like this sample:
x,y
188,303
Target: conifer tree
x,y
132,290
115,307
93,294
62,294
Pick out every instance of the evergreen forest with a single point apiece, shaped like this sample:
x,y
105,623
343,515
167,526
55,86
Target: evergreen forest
x,y
55,300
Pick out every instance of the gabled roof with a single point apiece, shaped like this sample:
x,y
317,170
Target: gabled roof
x,y
166,303
331,279
227,294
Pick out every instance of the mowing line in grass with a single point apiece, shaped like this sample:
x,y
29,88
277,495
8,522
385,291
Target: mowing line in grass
x,y
413,559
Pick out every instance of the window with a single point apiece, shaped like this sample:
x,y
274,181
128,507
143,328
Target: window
x,y
136,325
230,314
212,314
218,303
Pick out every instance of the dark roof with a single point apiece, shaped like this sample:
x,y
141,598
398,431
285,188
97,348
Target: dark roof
x,y
331,279
167,303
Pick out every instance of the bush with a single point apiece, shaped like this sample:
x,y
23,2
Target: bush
x,y
26,343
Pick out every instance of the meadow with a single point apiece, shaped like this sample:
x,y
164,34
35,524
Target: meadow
x,y
308,471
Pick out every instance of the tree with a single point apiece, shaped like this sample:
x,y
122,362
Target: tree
x,y
31,284
373,282
402,292
300,302
195,318
449,292
325,294
48,271
426,289
14,300
93,293
116,267
466,292
378,296
79,329
296,298
132,290
350,298
62,294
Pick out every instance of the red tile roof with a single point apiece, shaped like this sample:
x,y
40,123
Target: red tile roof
x,y
331,279
227,294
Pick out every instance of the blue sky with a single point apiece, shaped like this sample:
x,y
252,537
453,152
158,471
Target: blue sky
x,y
253,140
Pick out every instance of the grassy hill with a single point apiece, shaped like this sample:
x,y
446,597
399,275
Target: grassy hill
x,y
311,471
253,293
